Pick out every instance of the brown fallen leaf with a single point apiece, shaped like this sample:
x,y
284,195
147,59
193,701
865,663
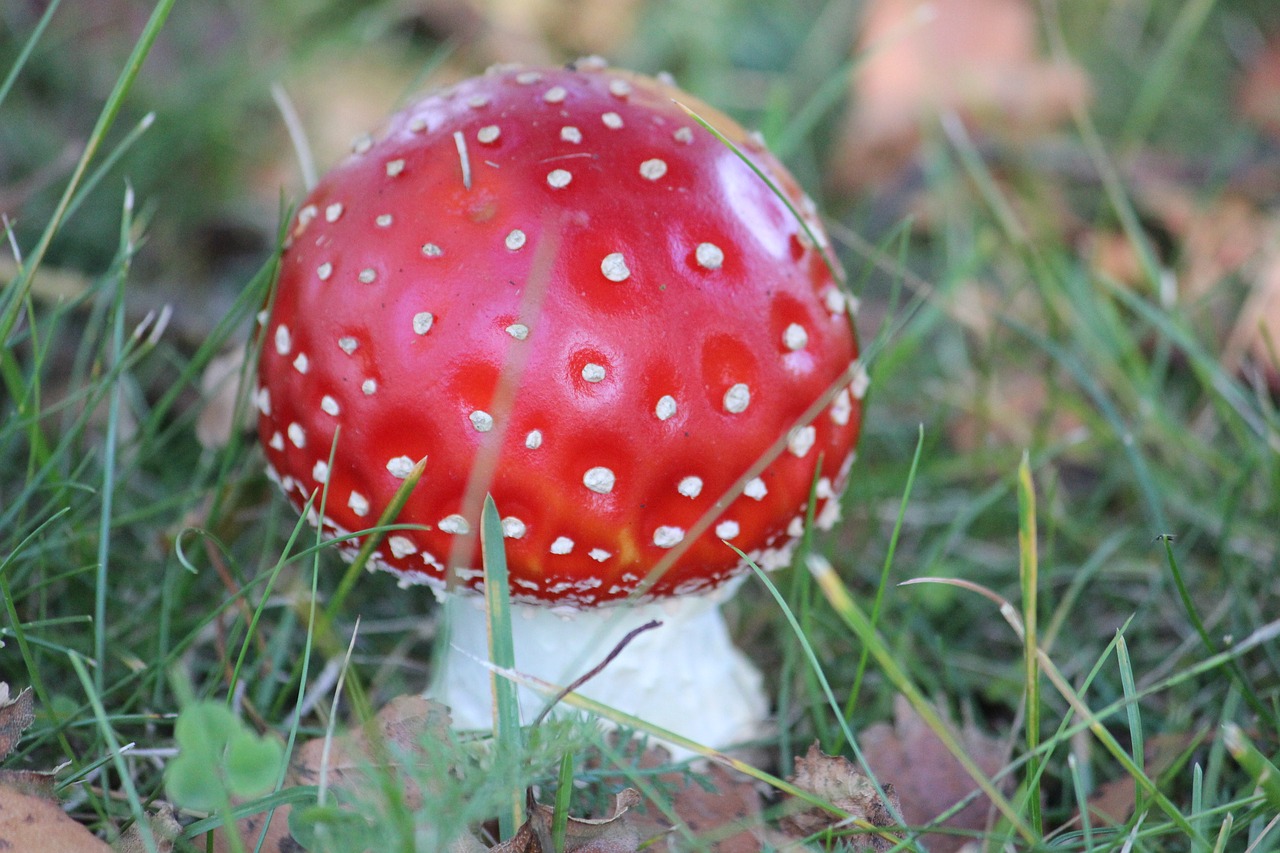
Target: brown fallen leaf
x,y
16,716
978,58
614,834
837,781
927,777
718,806
165,830
29,823
1214,237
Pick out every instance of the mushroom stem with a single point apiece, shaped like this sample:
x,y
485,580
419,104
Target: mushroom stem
x,y
685,676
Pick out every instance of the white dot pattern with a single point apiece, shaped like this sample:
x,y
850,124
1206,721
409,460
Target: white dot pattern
x,y
653,169
795,337
861,382
401,546
690,487
400,467
737,398
800,440
600,480
709,256
668,536
455,524
614,267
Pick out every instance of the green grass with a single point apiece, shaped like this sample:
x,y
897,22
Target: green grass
x,y
1105,546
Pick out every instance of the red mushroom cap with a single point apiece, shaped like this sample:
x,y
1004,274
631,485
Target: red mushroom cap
x,y
661,316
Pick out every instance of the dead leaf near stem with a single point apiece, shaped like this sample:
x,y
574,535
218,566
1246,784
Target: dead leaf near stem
x,y
33,823
720,807
928,779
613,834
837,781
16,716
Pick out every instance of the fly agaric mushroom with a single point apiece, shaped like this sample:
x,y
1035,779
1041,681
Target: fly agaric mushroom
x,y
563,270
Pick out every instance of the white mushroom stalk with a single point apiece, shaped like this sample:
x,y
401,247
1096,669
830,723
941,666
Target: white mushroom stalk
x,y
685,676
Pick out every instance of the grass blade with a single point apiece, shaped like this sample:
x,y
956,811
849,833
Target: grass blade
x,y
1265,775
16,293
506,703
1028,572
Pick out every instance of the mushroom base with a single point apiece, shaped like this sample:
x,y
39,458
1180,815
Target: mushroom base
x,y
685,676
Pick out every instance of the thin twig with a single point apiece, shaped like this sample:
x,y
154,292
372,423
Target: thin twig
x,y
598,668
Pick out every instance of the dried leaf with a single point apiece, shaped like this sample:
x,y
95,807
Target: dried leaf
x,y
402,726
613,834
38,783
16,715
709,802
978,58
165,829
34,823
927,777
837,781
